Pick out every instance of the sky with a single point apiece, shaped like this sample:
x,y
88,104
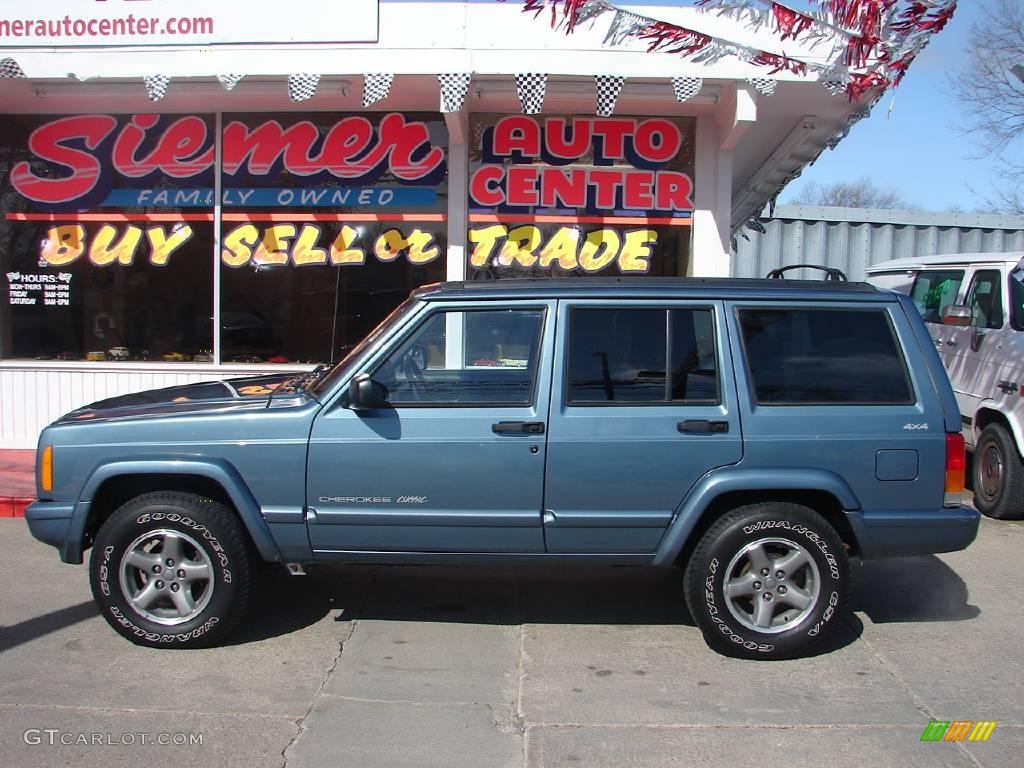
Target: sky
x,y
912,141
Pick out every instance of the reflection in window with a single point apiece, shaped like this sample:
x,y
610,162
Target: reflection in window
x,y
824,356
1017,299
986,300
623,356
934,290
466,358
70,302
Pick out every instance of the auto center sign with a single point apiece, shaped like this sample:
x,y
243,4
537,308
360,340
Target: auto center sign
x,y
90,23
576,162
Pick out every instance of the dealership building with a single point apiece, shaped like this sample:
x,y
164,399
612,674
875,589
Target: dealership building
x,y
194,190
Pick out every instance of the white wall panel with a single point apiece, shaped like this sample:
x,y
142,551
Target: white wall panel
x,y
32,397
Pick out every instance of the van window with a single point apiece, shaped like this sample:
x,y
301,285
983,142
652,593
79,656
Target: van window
x,y
934,290
642,356
986,299
1017,299
824,356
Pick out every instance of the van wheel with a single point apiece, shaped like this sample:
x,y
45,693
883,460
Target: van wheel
x,y
171,570
998,475
767,581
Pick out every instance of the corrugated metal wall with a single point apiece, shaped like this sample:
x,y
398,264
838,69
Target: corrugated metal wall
x,y
853,239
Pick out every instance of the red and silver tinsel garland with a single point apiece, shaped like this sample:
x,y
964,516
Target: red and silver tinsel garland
x,y
874,41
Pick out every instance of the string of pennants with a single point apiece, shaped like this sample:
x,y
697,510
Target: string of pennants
x,y
873,42
531,88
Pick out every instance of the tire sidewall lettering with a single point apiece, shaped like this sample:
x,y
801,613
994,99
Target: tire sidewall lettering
x,y
107,574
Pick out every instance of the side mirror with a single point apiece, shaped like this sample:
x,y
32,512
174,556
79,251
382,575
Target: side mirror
x,y
365,394
958,315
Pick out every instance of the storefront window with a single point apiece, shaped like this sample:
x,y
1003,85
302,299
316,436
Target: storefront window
x,y
329,222
558,196
106,238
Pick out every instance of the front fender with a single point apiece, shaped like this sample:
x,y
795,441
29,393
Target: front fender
x,y
221,472
729,479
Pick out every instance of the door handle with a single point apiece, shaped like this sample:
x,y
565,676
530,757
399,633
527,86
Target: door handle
x,y
518,427
703,426
951,343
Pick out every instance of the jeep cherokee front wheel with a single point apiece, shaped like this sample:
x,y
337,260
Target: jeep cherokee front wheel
x,y
767,581
171,570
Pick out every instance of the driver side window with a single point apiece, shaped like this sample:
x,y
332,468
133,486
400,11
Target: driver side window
x,y
466,358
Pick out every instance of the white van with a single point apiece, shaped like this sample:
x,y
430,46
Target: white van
x,y
974,306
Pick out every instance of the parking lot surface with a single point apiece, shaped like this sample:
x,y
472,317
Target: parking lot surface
x,y
553,666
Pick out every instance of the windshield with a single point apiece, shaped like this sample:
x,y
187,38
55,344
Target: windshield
x,y
341,368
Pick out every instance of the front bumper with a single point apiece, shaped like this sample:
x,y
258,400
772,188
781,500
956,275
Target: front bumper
x,y
905,534
50,522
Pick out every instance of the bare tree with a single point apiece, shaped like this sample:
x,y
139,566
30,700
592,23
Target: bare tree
x,y
859,193
990,88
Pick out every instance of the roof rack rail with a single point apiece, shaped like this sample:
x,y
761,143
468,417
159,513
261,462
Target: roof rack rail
x,y
831,273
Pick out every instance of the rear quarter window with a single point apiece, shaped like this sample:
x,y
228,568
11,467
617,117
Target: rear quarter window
x,y
812,356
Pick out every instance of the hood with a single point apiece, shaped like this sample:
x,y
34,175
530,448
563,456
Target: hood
x,y
231,394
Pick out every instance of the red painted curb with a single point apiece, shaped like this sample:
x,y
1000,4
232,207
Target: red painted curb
x,y
13,507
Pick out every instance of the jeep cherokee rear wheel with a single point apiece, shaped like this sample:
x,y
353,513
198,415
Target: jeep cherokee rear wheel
x,y
171,570
767,581
998,475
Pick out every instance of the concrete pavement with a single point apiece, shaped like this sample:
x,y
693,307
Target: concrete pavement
x,y
411,666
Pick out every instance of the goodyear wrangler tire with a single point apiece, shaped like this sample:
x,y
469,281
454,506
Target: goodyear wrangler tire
x,y
767,581
171,570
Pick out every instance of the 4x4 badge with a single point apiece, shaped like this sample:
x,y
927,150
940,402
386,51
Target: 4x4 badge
x,y
912,427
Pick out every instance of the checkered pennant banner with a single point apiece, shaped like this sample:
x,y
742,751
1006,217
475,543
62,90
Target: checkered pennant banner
x,y
686,88
608,89
835,87
302,87
454,88
376,87
9,69
763,85
229,81
156,86
531,88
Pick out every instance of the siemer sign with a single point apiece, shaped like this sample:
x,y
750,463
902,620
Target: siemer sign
x,y
85,23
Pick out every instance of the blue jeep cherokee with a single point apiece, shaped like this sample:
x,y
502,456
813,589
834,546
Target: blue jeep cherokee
x,y
758,434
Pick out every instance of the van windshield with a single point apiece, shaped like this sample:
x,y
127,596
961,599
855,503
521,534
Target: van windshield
x,y
342,366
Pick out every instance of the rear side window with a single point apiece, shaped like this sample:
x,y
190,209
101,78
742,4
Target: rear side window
x,y
934,290
642,356
824,356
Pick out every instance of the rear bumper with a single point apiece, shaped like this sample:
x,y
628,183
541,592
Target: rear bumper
x,y
50,522
904,534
